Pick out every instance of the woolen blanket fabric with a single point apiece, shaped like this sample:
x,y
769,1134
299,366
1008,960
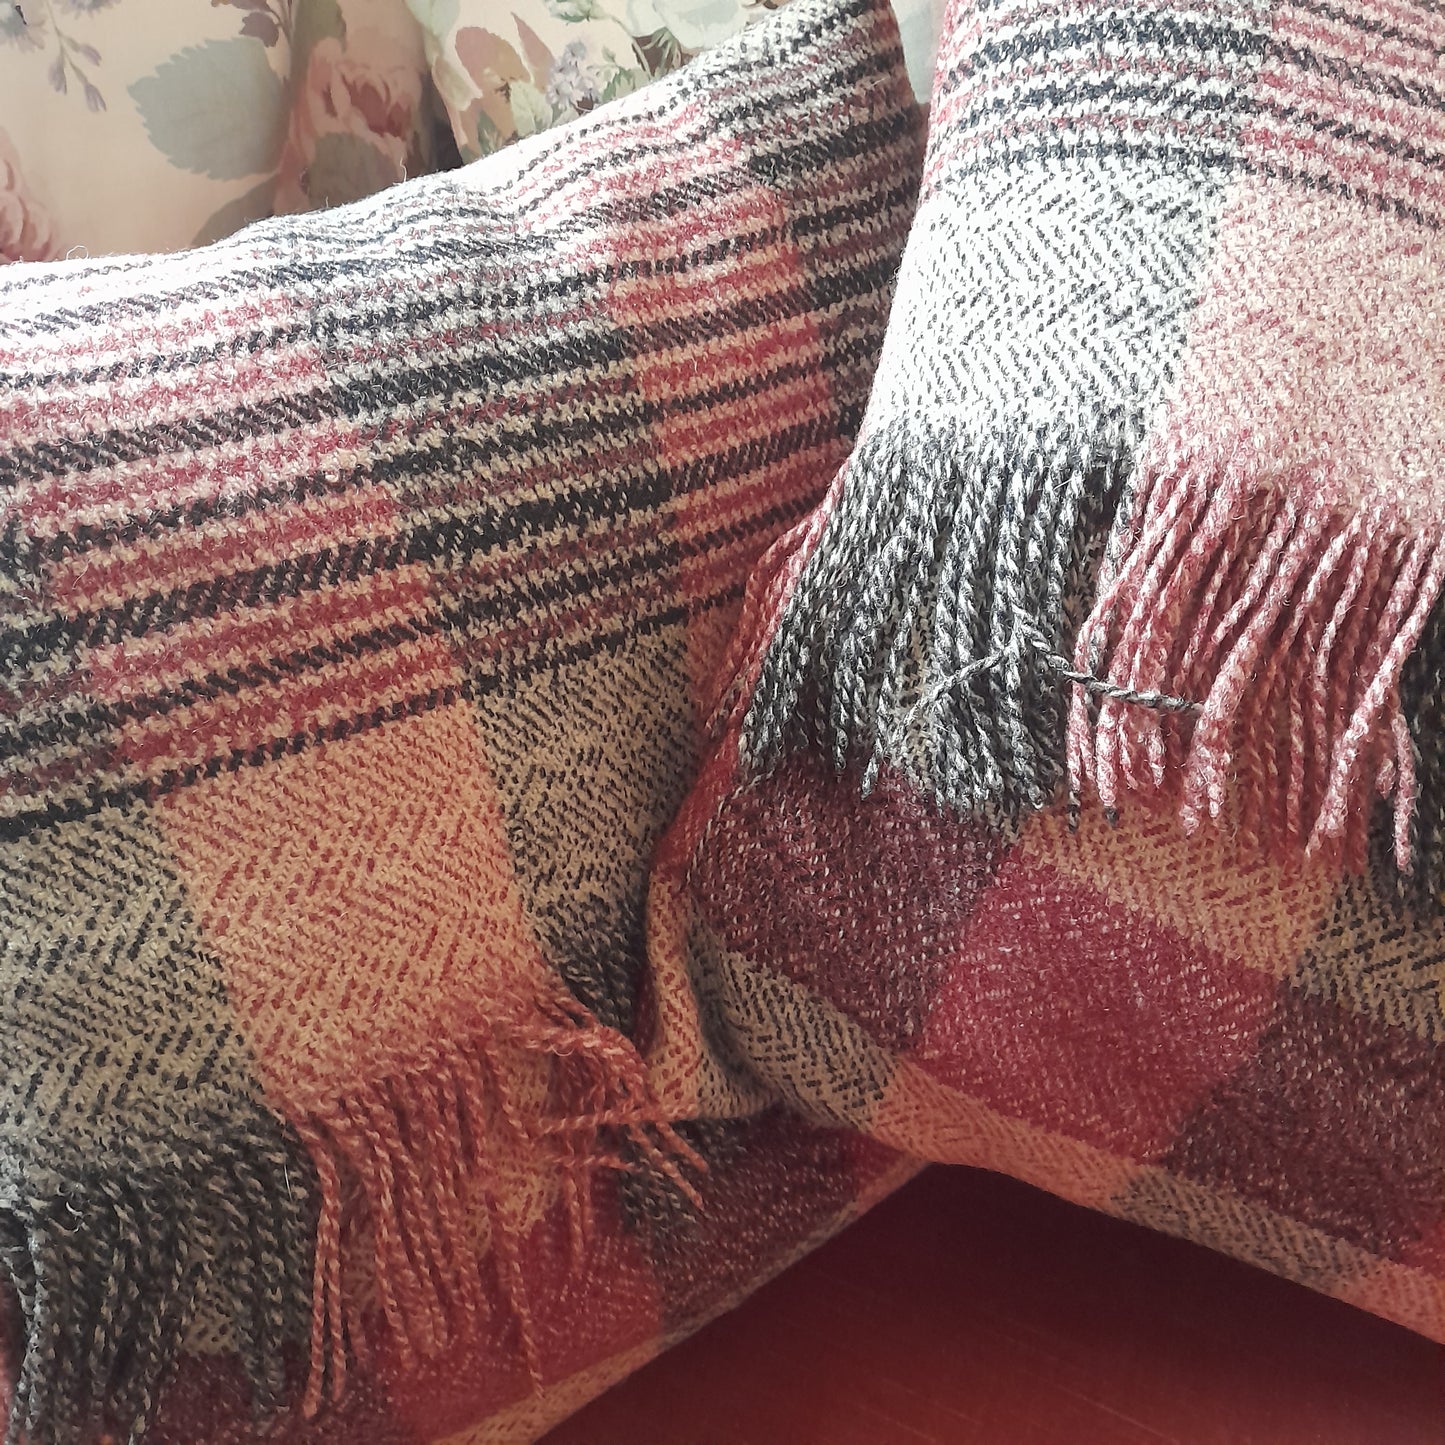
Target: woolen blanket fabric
x,y
1039,831
1173,301
361,578
649,1273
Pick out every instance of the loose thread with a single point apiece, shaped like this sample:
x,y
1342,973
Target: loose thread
x,y
1025,637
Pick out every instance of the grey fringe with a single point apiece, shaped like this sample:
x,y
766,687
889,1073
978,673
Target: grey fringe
x,y
929,627
109,1274
1422,702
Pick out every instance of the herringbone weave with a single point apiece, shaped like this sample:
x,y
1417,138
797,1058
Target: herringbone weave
x,y
1039,835
1173,301
360,579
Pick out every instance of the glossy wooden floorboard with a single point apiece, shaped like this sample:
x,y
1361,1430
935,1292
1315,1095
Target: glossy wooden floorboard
x,y
971,1310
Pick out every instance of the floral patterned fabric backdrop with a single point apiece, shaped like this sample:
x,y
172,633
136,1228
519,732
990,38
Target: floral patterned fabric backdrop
x,y
143,125
508,68
151,125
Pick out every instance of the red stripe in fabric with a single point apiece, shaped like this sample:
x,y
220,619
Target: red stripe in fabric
x,y
286,707
214,385
178,560
110,496
249,636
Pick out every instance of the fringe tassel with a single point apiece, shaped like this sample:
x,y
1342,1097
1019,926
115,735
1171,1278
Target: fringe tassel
x,y
1290,623
1422,705
921,616
403,1163
1243,650
108,1273
108,1276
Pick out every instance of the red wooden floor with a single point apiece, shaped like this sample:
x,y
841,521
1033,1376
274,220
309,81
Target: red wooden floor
x,y
969,1310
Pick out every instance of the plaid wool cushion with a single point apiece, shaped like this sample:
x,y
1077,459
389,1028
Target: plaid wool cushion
x,y
360,577
1174,300
1039,834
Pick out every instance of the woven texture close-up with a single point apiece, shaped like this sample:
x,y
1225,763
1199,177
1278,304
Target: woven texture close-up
x,y
1077,806
568,724
363,579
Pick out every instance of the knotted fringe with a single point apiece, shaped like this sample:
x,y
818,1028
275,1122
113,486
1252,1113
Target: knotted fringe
x,y
108,1274
923,615
1243,650
405,1164
1289,619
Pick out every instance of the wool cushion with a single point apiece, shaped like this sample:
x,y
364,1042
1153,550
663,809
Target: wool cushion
x,y
360,581
1081,738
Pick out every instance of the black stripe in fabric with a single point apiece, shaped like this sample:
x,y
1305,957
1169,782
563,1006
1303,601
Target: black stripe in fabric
x,y
479,456
604,576
965,76
1145,102
541,434
102,449
553,364
593,644
455,455
22,648
1381,144
103,718
1009,149
456,377
1194,39
452,538
1187,160
1137,99
62,810
523,595
643,488
1372,82
523,290
517,669
1378,28
471,618
819,156
187,516
446,539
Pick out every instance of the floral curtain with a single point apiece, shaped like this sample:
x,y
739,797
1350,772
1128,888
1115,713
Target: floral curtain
x,y
142,125
150,125
511,68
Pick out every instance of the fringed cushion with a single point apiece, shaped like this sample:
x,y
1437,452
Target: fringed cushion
x,y
1173,303
358,580
1037,835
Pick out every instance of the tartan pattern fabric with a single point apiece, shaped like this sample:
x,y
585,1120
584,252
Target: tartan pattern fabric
x,y
1175,1030
1133,571
1170,308
366,580
362,578
775,1188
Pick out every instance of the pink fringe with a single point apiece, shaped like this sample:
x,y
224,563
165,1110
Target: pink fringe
x,y
1288,617
402,1163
